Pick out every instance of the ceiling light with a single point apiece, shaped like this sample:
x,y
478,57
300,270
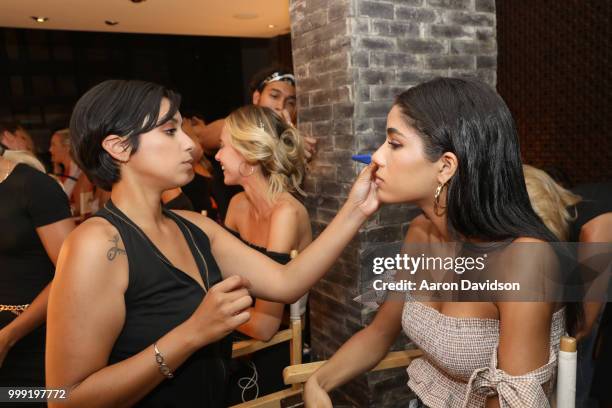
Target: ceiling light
x,y
271,26
138,1
39,19
111,22
245,16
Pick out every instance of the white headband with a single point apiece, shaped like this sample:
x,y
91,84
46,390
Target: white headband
x,y
276,76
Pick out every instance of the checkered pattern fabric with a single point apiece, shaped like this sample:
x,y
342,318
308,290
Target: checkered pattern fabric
x,y
459,367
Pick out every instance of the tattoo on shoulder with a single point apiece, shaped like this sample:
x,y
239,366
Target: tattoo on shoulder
x,y
114,250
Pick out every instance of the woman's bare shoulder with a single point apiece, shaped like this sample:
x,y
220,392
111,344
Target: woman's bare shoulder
x,y
287,202
88,254
93,231
288,206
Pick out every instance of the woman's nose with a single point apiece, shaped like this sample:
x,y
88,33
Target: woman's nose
x,y
189,143
378,156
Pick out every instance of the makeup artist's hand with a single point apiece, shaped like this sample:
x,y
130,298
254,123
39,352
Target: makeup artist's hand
x,y
363,193
224,308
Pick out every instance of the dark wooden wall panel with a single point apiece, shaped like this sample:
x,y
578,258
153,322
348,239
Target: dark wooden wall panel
x,y
43,72
554,71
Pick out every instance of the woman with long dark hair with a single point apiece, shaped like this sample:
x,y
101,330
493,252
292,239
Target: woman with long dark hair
x,y
452,149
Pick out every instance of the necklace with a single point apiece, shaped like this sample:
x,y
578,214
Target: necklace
x,y
160,256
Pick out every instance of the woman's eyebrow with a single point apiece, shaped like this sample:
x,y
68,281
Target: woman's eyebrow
x,y
395,132
172,121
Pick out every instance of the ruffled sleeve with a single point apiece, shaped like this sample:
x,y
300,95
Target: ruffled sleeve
x,y
514,391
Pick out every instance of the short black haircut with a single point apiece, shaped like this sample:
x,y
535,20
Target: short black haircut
x,y
125,108
257,81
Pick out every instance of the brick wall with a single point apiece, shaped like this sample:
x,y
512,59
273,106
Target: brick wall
x,y
351,57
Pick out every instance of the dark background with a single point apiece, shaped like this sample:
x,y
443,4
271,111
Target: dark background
x,y
43,72
554,70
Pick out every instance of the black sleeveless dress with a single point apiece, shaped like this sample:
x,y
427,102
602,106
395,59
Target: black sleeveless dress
x,y
159,297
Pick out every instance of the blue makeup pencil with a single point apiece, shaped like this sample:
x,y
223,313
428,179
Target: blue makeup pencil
x,y
362,158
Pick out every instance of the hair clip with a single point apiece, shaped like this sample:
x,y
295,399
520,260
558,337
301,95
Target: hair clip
x,y
260,124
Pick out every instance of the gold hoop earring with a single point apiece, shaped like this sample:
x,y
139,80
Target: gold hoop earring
x,y
437,206
242,173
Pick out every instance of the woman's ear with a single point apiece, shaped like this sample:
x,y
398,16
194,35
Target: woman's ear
x,y
116,147
448,166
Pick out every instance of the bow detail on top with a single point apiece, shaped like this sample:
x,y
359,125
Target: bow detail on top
x,y
513,391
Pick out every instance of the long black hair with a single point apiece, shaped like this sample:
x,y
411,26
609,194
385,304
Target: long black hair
x,y
487,197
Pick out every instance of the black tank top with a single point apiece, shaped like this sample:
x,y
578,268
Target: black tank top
x,y
159,297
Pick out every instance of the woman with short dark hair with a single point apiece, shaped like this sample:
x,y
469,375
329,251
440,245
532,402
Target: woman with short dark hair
x,y
143,294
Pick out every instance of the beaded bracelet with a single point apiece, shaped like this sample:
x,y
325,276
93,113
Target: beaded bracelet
x,y
161,363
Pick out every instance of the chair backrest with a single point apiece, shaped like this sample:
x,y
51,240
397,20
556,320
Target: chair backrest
x,y
566,373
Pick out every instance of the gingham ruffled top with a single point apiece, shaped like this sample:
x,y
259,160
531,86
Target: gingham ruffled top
x,y
459,366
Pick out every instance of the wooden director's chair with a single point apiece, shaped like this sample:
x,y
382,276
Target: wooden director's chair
x,y
565,396
294,336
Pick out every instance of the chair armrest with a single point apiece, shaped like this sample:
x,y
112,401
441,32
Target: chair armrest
x,y
300,373
244,347
270,400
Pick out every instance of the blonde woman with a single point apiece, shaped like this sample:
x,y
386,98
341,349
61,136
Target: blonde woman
x,y
265,155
